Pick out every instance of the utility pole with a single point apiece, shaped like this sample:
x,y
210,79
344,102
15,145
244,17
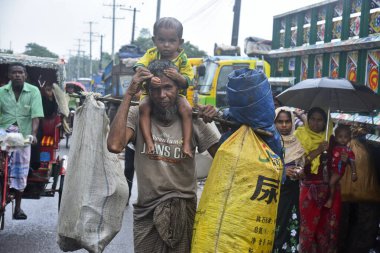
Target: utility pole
x,y
101,52
134,22
235,26
70,65
113,5
84,64
91,34
158,11
78,56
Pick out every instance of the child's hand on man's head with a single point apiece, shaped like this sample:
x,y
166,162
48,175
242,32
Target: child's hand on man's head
x,y
141,75
155,80
172,73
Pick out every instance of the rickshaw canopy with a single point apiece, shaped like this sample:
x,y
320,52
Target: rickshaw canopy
x,y
78,87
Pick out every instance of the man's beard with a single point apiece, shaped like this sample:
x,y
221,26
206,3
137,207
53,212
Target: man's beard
x,y
17,85
165,115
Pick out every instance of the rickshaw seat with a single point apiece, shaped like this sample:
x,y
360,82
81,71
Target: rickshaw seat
x,y
50,131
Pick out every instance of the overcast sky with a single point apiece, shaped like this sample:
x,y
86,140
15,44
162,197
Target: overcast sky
x,y
58,24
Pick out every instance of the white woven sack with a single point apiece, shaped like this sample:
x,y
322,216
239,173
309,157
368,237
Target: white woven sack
x,y
95,190
60,98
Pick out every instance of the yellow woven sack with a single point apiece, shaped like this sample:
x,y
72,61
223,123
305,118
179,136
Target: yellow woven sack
x,y
238,207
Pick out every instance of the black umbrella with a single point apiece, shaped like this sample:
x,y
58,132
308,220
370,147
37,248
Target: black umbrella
x,y
332,94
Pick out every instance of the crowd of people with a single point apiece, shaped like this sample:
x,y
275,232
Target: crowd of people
x,y
310,199
315,159
165,137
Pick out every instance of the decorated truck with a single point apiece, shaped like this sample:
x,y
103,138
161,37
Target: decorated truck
x,y
335,38
340,39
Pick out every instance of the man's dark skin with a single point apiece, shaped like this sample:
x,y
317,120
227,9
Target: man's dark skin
x,y
162,94
17,76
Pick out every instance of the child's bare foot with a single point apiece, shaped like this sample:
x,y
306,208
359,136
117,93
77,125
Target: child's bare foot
x,y
354,177
187,150
149,148
328,203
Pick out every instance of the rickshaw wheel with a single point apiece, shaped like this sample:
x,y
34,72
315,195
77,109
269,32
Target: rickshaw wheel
x,y
2,221
60,190
2,213
67,140
1,189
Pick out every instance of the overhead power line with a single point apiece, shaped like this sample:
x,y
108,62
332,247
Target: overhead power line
x,y
113,5
133,23
91,34
201,10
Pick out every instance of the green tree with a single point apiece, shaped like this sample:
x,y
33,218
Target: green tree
x,y
79,66
6,51
144,41
34,49
193,51
106,59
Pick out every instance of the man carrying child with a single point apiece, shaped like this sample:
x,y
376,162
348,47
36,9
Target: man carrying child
x,y
167,37
165,208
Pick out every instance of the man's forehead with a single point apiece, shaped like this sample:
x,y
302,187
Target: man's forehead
x,y
17,68
164,81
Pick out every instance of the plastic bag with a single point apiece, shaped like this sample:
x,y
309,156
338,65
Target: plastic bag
x,y
238,207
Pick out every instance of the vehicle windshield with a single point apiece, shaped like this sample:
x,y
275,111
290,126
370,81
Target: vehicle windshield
x,y
206,82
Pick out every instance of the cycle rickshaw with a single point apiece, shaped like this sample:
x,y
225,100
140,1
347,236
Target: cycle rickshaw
x,y
72,88
46,174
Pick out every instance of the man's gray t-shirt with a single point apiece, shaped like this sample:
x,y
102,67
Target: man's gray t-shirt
x,y
166,174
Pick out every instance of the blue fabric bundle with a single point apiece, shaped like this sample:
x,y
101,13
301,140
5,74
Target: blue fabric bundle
x,y
251,103
250,98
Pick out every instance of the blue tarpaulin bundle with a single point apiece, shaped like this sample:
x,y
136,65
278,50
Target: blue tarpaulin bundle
x,y
251,103
250,98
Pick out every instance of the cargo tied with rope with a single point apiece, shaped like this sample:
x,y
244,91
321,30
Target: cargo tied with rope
x,y
196,113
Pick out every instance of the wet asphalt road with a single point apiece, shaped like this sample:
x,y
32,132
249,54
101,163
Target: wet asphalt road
x,y
38,234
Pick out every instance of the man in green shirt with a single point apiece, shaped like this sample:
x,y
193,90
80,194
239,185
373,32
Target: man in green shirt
x,y
20,110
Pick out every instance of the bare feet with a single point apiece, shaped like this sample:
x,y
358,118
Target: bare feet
x,y
149,147
187,150
329,203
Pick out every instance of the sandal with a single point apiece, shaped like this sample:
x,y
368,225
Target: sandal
x,y
19,215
